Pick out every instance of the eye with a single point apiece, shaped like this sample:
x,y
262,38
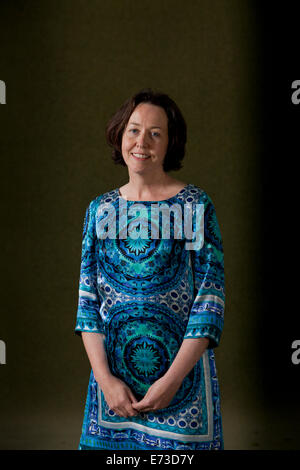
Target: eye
x,y
155,134
133,130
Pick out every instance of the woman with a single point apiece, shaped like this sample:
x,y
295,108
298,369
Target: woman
x,y
150,306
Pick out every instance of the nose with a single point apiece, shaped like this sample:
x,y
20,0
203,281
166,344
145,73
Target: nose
x,y
142,139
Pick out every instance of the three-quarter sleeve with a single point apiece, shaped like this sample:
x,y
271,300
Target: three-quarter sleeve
x,y
88,316
206,316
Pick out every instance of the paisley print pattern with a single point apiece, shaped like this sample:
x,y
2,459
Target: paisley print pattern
x,y
147,294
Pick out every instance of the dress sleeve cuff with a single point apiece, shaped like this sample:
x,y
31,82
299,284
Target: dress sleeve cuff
x,y
205,331
88,326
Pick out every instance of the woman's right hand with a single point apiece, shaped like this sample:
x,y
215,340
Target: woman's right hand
x,y
118,396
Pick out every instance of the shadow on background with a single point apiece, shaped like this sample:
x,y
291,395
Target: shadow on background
x,y
280,319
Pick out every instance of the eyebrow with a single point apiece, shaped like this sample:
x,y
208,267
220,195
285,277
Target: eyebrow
x,y
137,124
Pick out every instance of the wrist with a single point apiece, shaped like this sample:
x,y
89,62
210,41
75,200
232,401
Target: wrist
x,y
103,378
173,379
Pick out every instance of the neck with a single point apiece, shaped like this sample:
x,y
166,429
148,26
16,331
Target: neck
x,y
142,186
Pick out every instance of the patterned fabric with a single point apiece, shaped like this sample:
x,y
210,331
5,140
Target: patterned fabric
x,y
147,295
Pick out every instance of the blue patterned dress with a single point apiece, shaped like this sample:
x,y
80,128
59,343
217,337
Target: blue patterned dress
x,y
146,295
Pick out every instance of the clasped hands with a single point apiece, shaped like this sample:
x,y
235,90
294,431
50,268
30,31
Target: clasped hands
x,y
122,401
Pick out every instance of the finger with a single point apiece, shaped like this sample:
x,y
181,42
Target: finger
x,y
132,412
140,404
132,397
120,412
146,410
128,411
137,407
143,408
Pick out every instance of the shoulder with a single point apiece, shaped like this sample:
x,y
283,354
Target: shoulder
x,y
92,209
198,195
107,197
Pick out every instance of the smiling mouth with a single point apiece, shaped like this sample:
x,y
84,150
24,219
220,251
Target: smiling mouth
x,y
140,156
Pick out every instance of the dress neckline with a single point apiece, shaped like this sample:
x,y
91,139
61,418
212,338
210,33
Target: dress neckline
x,y
181,191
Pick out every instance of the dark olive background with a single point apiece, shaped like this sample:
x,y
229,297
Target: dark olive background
x,y
68,65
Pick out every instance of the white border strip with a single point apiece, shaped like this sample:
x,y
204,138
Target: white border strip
x,y
84,293
209,298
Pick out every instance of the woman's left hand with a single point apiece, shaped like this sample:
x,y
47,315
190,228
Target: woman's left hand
x,y
158,396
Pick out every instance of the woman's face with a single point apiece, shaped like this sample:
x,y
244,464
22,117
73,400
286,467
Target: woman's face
x,y
145,139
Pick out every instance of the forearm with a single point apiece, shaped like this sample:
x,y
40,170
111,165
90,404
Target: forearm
x,y
94,346
188,355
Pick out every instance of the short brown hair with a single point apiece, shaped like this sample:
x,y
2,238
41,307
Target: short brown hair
x,y
176,127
